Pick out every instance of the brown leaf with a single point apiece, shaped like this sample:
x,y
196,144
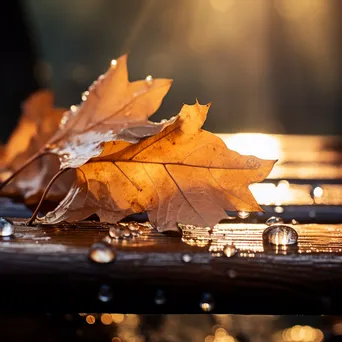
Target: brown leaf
x,y
38,122
181,175
112,105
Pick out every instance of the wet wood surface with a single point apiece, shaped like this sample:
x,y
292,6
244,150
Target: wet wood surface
x,y
46,268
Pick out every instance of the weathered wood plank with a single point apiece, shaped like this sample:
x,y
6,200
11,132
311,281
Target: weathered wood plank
x,y
47,268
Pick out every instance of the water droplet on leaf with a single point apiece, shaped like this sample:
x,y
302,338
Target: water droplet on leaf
x,y
160,297
102,253
207,302
280,235
293,221
229,251
105,294
274,220
85,95
243,214
6,227
113,63
149,80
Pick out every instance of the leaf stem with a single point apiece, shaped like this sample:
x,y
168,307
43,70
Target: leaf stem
x,y
35,157
34,215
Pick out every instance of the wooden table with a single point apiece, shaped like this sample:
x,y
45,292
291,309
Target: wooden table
x,y
48,268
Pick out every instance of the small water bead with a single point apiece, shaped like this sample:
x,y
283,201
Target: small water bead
x,y
243,214
107,239
207,303
274,220
149,80
279,209
229,251
280,235
160,299
119,232
293,221
113,63
105,293
102,253
186,258
6,227
126,233
317,192
85,95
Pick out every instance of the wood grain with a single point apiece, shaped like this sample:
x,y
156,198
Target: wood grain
x,y
47,268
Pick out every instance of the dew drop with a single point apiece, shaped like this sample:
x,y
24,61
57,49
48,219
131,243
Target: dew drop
x,y
115,232
105,293
293,221
280,235
274,220
102,253
73,108
317,192
279,209
85,95
149,80
133,226
113,63
107,239
243,214
229,251
186,258
6,227
207,302
160,299
126,233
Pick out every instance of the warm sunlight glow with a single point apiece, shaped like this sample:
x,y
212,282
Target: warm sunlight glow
x,y
282,193
260,145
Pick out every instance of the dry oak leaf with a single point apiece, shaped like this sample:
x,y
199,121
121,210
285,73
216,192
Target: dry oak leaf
x,y
110,106
38,122
182,175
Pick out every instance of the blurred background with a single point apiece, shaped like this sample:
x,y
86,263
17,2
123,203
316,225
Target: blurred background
x,y
271,66
170,328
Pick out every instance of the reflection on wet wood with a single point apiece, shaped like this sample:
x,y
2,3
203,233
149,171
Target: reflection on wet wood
x,y
299,156
53,265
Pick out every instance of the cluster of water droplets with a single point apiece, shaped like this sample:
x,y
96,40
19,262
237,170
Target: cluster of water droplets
x,y
104,252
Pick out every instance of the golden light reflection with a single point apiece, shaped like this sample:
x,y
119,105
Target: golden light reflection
x,y
132,320
222,5
90,319
337,328
300,333
313,160
260,145
106,319
118,318
247,239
